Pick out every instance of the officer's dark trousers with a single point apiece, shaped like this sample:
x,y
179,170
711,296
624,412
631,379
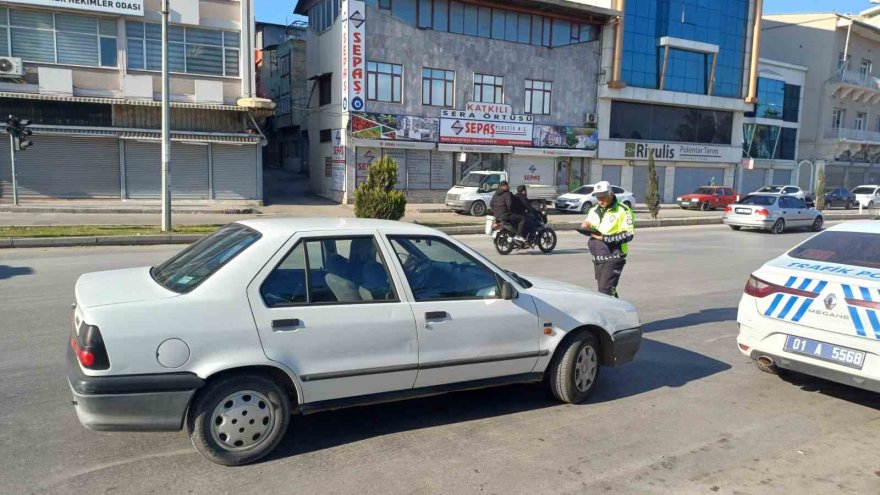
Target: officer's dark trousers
x,y
608,275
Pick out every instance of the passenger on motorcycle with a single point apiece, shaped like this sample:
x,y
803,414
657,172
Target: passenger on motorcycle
x,y
524,207
502,206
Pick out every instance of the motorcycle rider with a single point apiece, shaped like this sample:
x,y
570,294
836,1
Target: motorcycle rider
x,y
524,207
502,206
615,224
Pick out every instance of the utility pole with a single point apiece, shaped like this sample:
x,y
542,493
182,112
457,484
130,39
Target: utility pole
x,y
166,126
12,159
18,141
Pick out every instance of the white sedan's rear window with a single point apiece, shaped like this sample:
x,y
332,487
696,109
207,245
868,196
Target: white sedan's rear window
x,y
846,248
192,266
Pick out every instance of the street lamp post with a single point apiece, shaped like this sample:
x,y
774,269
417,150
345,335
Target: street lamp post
x,y
166,126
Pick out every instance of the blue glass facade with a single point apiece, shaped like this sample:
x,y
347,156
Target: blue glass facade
x,y
718,22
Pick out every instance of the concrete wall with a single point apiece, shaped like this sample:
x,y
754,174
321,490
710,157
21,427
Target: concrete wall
x,y
572,69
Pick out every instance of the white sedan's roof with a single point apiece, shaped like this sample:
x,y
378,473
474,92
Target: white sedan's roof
x,y
291,225
868,226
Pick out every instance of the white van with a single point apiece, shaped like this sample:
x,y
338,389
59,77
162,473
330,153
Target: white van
x,y
473,193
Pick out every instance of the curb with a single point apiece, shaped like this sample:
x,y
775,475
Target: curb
x,y
131,210
152,240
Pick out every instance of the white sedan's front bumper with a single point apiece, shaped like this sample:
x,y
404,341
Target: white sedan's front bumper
x,y
761,336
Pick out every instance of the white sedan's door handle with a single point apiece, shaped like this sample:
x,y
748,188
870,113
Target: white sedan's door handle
x,y
285,325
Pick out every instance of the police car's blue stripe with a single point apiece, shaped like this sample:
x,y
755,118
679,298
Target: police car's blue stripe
x,y
791,281
872,316
866,294
847,291
854,314
803,309
820,287
806,283
788,306
772,308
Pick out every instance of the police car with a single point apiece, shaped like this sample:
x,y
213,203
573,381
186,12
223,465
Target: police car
x,y
816,309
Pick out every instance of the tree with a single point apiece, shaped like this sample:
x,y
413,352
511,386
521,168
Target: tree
x,y
376,197
820,189
652,198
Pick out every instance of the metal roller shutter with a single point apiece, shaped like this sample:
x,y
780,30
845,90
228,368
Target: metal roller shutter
x,y
688,179
612,174
640,182
834,176
753,180
189,170
782,177
235,171
64,167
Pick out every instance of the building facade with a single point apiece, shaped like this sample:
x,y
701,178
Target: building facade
x,y
771,131
445,87
281,77
678,78
840,129
87,74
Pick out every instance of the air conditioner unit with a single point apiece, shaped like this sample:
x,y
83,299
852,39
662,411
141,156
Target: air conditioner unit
x,y
590,119
11,67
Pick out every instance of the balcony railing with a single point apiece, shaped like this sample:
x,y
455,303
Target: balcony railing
x,y
855,78
857,135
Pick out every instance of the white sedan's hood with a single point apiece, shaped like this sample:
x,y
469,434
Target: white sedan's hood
x,y
560,302
118,286
542,283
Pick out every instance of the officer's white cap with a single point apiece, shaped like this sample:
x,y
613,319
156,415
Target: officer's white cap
x,y
602,188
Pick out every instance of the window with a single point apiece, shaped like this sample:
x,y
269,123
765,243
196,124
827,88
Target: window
x,y
339,270
437,270
771,98
837,118
325,135
186,270
190,50
285,65
273,62
323,14
759,200
865,69
644,121
861,119
538,97
438,87
841,64
58,38
488,89
283,107
791,103
384,82
843,248
325,92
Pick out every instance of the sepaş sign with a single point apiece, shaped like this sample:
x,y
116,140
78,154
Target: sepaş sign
x,y
683,152
122,7
486,123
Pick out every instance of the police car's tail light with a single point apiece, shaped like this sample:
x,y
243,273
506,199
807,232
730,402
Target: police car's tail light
x,y
89,348
761,288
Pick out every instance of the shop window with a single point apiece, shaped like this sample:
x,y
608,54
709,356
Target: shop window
x,y
538,97
667,123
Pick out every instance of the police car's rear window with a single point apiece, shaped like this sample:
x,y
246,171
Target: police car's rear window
x,y
846,248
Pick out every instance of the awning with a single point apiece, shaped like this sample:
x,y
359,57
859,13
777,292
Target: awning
x,y
194,137
121,101
475,148
73,131
390,143
554,152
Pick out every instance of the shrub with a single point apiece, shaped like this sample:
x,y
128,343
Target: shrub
x,y
820,190
652,198
376,197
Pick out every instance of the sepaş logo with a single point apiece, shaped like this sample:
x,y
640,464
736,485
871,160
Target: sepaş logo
x,y
357,19
457,127
533,168
638,150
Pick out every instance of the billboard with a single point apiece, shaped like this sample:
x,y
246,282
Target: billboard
x,y
122,7
556,136
354,18
395,127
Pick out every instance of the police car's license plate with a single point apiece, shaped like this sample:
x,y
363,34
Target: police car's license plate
x,y
825,351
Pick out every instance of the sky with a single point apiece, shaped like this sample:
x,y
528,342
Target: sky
x,y
281,11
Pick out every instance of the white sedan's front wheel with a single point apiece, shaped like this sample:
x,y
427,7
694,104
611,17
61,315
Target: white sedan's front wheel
x,y
238,420
573,373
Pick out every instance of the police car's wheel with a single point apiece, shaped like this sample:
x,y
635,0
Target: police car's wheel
x,y
574,370
238,420
586,207
778,227
478,209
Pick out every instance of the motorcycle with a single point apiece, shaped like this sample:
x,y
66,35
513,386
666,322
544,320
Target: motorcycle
x,y
504,236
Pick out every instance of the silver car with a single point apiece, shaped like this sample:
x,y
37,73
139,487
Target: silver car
x,y
773,212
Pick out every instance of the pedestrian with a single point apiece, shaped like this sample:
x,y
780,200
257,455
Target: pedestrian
x,y
610,226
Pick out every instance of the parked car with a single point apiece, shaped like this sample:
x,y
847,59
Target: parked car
x,y
473,193
772,212
839,196
868,196
271,317
789,190
583,198
708,198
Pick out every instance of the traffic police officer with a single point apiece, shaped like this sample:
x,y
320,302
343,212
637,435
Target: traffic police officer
x,y
611,227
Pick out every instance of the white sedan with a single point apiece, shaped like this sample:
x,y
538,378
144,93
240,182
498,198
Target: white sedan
x,y
270,317
582,199
815,309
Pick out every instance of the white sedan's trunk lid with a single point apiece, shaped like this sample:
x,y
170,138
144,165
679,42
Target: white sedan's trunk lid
x,y
118,286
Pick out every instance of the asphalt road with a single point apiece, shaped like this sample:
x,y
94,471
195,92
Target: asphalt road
x,y
690,415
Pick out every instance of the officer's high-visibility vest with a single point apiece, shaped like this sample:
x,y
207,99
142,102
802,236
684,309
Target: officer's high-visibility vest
x,y
617,224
